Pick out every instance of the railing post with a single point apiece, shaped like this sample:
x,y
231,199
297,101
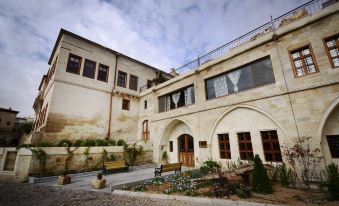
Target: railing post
x,y
273,26
198,61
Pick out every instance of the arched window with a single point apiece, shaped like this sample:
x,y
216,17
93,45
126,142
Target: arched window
x,y
145,131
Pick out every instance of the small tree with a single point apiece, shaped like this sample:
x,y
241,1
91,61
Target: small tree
x,y
304,160
260,180
86,153
132,152
42,157
68,160
164,157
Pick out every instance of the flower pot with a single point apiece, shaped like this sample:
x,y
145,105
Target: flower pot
x,y
64,180
98,184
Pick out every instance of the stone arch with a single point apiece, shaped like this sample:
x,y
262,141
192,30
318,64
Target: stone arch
x,y
328,126
237,116
170,132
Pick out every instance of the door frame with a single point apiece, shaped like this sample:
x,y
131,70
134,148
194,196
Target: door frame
x,y
186,136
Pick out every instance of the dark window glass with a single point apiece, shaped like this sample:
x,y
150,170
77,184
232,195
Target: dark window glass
x,y
271,146
250,76
245,146
125,104
171,146
74,63
224,146
179,98
89,69
122,76
103,73
133,82
145,104
333,144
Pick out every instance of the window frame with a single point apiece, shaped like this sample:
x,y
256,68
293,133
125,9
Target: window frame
x,y
246,151
235,69
80,62
95,68
107,67
299,49
145,134
130,85
327,49
225,142
128,105
271,142
118,82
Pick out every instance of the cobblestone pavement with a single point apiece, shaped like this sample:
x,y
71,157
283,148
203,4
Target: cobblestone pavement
x,y
12,194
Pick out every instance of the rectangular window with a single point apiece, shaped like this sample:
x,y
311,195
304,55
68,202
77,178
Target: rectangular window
x,y
10,161
89,69
224,146
122,79
145,104
145,131
171,146
202,144
179,98
125,104
271,146
73,65
303,61
333,144
245,146
252,75
103,73
332,49
133,82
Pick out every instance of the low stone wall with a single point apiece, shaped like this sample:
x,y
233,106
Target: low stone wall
x,y
26,163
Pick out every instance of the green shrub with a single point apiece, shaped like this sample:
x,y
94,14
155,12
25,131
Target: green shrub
x,y
79,143
89,143
196,174
121,142
260,180
111,142
112,157
101,142
333,181
46,144
132,152
65,143
285,175
243,191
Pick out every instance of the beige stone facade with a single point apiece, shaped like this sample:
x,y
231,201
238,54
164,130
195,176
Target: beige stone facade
x,y
80,107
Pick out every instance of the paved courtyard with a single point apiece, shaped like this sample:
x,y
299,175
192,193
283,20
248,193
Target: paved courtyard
x,y
82,181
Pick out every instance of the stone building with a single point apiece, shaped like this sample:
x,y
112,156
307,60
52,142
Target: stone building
x,y
7,124
274,84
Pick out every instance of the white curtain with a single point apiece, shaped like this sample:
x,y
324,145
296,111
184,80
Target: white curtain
x,y
234,77
175,98
188,96
168,103
220,86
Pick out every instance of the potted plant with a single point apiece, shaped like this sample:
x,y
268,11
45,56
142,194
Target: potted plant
x,y
99,183
164,157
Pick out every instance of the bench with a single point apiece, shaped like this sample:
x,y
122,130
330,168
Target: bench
x,y
114,165
167,168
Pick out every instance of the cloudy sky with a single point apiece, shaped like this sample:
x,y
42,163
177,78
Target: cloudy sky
x,y
161,33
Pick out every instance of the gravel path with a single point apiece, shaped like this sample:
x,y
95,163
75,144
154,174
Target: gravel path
x,y
12,194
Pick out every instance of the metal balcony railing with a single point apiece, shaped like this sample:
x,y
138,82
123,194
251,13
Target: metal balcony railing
x,y
296,14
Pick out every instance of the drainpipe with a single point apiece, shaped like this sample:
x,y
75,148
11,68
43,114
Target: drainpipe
x,y
111,98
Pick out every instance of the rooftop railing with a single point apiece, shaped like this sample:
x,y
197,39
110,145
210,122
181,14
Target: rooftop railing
x,y
296,14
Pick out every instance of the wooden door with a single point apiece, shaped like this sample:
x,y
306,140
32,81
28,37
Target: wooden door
x,y
186,150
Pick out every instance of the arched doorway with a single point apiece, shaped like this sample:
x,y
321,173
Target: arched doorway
x,y
186,150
